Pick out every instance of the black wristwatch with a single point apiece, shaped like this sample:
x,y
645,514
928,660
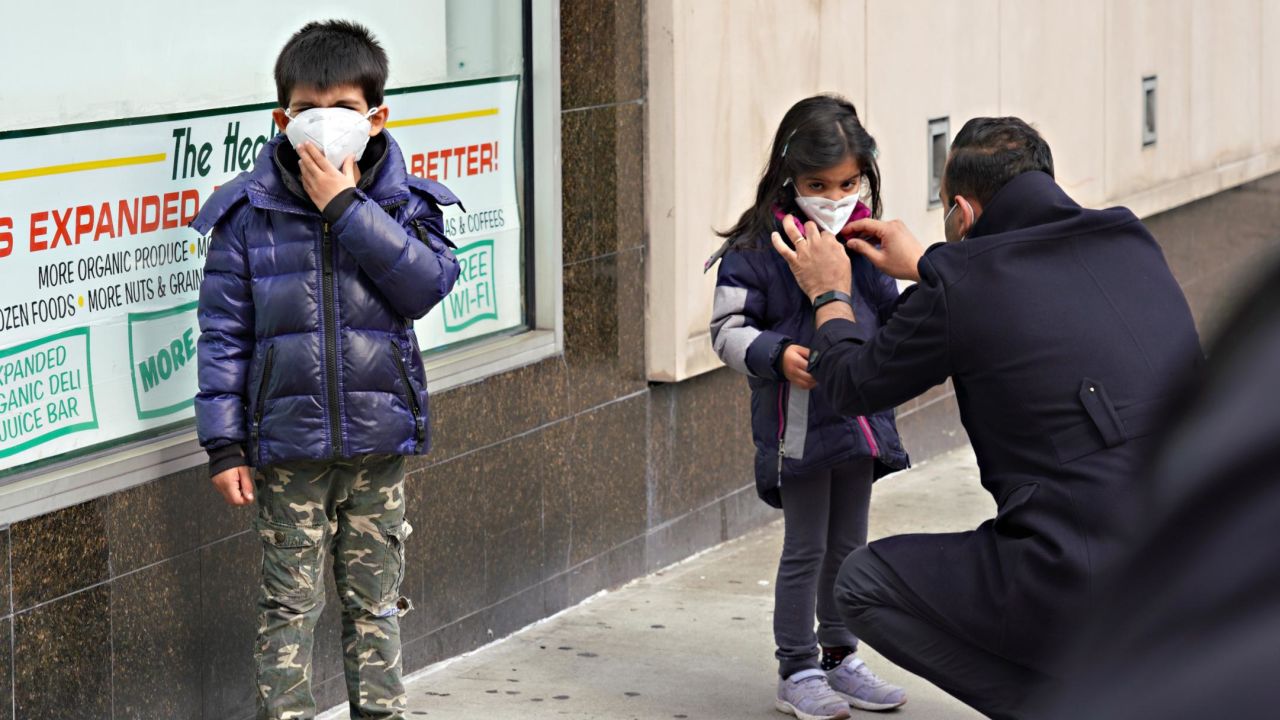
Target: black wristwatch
x,y
832,296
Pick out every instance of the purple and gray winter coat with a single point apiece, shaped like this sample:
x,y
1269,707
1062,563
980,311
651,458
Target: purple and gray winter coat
x,y
759,310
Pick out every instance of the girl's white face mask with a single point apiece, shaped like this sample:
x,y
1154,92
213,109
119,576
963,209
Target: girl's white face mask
x,y
338,132
830,215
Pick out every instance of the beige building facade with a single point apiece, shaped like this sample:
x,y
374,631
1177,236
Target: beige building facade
x,y
723,72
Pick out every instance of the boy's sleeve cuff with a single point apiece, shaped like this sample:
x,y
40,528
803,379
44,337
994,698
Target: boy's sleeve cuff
x,y
226,457
338,205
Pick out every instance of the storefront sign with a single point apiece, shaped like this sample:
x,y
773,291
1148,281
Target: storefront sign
x,y
101,273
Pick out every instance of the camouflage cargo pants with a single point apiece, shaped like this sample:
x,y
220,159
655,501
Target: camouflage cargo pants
x,y
352,510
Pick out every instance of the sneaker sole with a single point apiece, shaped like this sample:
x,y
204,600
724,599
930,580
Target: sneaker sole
x,y
873,707
783,706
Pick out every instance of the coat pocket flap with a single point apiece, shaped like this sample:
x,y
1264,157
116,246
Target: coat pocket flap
x,y
1089,436
436,191
1102,412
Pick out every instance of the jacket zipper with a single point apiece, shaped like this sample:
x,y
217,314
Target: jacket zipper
x,y
782,430
262,398
871,439
412,397
330,340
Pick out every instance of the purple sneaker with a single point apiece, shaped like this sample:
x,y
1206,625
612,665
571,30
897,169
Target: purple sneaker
x,y
809,696
855,682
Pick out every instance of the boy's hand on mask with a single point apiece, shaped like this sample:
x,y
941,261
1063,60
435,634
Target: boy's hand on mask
x,y
320,178
795,367
235,485
818,261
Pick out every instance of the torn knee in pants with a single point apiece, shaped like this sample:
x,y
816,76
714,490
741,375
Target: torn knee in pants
x,y
392,608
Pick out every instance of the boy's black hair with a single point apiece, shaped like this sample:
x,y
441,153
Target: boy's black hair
x,y
815,134
332,53
989,152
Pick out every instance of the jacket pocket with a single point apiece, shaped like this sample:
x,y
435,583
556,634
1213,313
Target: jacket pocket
x,y
864,426
425,239
260,398
1105,426
411,399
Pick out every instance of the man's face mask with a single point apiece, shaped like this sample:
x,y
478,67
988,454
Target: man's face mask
x,y
830,215
337,132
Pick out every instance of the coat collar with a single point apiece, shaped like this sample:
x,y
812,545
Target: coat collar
x,y
1033,206
276,185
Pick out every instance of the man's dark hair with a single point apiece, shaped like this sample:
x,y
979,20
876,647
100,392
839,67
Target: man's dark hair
x,y
989,152
332,53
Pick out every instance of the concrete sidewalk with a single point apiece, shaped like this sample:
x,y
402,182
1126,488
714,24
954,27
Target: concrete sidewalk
x,y
691,641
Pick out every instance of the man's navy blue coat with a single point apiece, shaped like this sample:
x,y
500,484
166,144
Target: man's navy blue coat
x,y
1192,615
1061,329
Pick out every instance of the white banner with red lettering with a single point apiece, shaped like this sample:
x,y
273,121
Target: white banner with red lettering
x,y
101,273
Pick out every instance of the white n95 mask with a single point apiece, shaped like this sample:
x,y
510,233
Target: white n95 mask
x,y
830,215
337,132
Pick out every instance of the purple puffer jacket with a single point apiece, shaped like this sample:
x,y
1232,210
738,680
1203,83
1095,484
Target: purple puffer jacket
x,y
307,349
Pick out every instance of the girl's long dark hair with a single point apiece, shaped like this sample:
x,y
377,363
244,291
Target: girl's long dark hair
x,y
815,134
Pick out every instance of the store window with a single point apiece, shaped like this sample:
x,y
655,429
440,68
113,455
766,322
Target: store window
x,y
99,178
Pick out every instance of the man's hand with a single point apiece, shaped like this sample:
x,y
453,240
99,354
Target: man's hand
x,y
819,261
795,367
236,485
320,178
898,254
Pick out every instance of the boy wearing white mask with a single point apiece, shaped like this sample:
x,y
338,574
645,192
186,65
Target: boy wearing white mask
x,y
320,259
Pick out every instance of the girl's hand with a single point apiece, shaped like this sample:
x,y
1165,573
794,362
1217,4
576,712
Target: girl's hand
x,y
795,367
